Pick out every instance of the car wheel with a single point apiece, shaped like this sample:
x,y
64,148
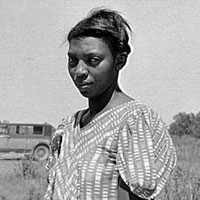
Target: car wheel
x,y
41,152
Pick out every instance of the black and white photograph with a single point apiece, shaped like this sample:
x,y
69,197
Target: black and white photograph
x,y
100,100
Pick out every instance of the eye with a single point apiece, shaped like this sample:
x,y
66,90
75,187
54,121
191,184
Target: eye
x,y
94,61
72,61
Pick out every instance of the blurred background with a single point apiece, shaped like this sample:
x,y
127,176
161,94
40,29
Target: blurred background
x,y
163,70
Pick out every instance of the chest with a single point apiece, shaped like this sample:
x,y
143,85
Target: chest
x,y
97,145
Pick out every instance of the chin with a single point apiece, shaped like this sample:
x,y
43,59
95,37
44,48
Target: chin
x,y
88,95
85,94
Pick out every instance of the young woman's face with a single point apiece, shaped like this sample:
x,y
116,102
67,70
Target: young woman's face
x,y
91,66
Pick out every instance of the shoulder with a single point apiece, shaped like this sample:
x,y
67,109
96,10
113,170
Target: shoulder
x,y
57,136
138,108
68,120
65,123
137,111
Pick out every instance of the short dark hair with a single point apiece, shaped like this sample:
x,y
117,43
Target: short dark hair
x,y
106,24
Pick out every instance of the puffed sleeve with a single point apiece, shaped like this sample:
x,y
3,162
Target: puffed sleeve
x,y
146,154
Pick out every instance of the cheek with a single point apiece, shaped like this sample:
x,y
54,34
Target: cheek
x,y
109,72
107,67
71,73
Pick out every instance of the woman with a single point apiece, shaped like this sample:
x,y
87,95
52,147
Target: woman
x,y
117,148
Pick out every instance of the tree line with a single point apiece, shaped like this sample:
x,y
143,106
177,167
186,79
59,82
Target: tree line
x,y
186,124
183,124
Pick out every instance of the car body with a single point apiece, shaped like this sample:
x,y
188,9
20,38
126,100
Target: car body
x,y
29,139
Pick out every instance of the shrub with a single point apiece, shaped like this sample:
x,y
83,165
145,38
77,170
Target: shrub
x,y
27,168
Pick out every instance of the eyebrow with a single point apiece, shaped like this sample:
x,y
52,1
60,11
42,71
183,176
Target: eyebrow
x,y
70,54
86,54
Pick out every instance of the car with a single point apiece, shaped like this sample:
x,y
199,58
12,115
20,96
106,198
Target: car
x,y
28,139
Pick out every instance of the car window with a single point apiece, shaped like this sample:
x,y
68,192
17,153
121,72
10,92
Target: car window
x,y
20,130
3,130
13,129
38,130
30,130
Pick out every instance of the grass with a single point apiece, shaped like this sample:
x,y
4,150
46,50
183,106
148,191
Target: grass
x,y
26,179
22,180
184,184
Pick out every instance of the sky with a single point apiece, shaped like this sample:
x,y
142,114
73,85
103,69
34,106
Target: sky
x,y
163,70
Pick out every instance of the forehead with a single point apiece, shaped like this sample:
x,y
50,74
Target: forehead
x,y
87,44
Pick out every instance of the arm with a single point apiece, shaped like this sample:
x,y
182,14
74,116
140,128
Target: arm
x,y
146,155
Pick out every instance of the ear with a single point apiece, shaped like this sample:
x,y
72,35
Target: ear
x,y
120,60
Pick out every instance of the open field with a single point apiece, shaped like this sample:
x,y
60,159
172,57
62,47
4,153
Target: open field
x,y
26,180
22,180
185,182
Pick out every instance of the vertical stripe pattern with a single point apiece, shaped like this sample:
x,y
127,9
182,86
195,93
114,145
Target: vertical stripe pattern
x,y
129,140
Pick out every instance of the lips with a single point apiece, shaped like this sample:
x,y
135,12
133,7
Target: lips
x,y
84,86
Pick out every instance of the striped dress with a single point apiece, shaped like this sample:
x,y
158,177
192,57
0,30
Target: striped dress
x,y
128,141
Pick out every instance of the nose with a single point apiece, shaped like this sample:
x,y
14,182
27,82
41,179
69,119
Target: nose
x,y
81,72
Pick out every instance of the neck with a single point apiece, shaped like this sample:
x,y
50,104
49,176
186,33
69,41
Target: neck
x,y
99,103
112,97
